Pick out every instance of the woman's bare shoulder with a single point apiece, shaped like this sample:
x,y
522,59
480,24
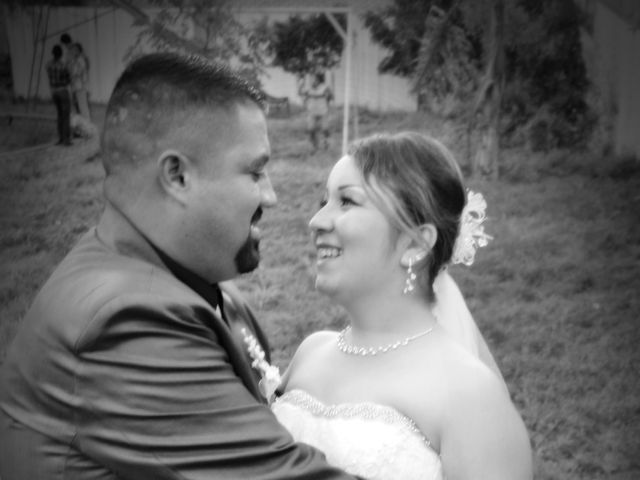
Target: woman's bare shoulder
x,y
315,341
308,358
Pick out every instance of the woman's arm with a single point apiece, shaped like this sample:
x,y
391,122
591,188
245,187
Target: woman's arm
x,y
483,436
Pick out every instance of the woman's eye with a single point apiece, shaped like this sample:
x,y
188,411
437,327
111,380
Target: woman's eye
x,y
347,201
322,203
257,175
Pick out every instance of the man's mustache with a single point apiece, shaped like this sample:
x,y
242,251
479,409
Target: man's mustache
x,y
257,216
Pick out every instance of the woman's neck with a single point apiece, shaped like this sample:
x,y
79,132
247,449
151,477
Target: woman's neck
x,y
380,319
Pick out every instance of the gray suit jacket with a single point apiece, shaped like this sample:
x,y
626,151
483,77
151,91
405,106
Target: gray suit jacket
x,y
122,371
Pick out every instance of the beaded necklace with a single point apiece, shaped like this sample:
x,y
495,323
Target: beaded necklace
x,y
350,349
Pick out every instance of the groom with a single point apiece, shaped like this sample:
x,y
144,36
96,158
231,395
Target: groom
x,y
129,363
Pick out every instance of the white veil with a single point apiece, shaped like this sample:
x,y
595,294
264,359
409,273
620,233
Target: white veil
x,y
453,315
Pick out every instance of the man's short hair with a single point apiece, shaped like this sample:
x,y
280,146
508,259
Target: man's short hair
x,y
65,39
156,90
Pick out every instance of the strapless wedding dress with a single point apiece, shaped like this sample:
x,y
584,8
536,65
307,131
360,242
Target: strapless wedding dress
x,y
366,439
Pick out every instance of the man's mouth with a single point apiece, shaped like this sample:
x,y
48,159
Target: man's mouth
x,y
255,232
256,216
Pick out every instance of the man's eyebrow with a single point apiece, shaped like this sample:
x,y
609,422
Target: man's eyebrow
x,y
259,163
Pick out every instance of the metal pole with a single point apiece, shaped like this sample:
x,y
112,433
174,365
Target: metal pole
x,y
347,83
42,52
35,54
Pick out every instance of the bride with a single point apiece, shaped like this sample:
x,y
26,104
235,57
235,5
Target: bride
x,y
408,389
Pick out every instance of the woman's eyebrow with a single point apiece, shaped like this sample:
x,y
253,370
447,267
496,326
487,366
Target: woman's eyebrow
x,y
345,187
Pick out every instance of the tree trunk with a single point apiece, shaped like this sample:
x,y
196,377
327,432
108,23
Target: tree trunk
x,y
487,158
435,33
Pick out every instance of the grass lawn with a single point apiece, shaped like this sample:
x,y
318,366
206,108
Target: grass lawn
x,y
19,131
556,292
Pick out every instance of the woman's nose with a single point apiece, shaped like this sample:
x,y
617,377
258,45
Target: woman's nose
x,y
321,220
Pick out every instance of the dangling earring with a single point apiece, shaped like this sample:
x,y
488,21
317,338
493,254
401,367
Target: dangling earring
x,y
409,283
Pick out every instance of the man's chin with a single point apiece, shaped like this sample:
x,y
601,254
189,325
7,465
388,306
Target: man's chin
x,y
248,257
248,266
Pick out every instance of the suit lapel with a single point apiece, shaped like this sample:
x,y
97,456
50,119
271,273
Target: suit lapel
x,y
226,323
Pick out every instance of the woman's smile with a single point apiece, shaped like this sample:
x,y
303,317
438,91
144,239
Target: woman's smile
x,y
327,252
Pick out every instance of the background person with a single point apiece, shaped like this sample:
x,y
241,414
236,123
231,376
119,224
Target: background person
x,y
59,83
128,364
66,42
317,99
79,68
395,394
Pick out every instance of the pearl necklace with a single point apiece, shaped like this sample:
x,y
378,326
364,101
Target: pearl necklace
x,y
349,349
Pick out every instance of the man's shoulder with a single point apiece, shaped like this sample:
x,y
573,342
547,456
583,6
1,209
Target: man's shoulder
x,y
94,289
93,275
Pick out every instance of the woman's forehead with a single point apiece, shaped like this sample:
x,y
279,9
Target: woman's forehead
x,y
345,172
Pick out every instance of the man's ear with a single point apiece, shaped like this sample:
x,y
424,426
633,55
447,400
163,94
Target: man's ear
x,y
174,173
417,252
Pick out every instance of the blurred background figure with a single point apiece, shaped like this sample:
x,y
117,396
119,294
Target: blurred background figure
x,y
81,124
317,98
79,69
59,81
65,42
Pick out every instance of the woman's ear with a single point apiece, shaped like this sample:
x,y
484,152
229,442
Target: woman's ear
x,y
417,252
174,173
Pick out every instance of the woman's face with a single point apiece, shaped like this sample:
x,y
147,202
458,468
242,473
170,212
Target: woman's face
x,y
358,249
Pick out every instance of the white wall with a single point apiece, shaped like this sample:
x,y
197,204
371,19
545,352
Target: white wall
x,y
623,43
613,55
106,35
368,88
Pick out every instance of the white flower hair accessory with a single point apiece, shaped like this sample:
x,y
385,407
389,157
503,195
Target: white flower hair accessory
x,y
270,374
471,235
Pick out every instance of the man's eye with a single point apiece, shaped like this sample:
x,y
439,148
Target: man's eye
x,y
322,203
257,175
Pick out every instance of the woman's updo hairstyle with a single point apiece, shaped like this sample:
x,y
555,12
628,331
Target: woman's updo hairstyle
x,y
415,180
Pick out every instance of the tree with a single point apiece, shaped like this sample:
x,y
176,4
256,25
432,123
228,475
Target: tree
x,y
208,28
11,4
523,56
546,79
304,45
489,97
428,44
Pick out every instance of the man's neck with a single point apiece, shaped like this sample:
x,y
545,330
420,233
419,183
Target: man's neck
x,y
121,234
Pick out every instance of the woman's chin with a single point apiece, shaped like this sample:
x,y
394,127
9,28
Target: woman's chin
x,y
325,287
331,290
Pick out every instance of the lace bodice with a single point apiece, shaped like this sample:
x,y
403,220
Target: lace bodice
x,y
367,439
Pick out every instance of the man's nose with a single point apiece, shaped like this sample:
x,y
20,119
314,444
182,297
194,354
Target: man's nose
x,y
269,197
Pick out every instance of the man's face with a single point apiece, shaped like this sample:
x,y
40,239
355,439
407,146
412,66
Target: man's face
x,y
230,190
